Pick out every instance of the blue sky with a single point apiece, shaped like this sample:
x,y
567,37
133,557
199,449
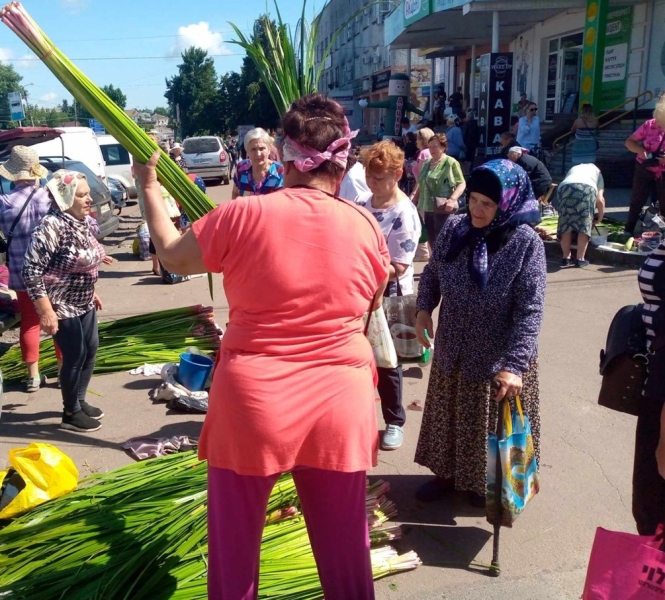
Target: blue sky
x,y
108,41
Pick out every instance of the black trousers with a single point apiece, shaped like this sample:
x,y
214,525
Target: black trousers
x,y
78,340
390,392
433,223
644,184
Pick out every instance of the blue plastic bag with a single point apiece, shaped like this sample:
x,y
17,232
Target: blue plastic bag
x,y
519,469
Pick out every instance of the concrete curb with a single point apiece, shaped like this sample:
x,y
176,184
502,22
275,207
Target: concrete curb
x,y
595,255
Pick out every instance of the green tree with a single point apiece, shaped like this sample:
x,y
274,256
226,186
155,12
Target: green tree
x,y
10,81
194,89
116,95
161,110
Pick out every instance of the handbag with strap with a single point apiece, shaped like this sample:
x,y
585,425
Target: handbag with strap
x,y
624,361
654,162
5,243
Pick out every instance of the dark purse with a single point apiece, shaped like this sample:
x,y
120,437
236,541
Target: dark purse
x,y
624,361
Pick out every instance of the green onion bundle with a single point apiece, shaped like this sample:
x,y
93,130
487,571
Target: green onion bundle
x,y
129,134
128,343
140,532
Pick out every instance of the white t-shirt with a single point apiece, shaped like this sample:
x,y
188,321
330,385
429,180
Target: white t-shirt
x,y
353,185
401,228
587,174
412,129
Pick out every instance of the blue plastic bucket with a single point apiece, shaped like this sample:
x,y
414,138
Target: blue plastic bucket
x,y
194,371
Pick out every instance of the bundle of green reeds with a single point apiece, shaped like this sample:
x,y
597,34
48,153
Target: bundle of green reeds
x,y
140,532
128,343
114,119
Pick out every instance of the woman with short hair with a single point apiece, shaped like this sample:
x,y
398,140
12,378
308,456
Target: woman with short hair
x,y
257,174
399,222
440,186
293,389
648,142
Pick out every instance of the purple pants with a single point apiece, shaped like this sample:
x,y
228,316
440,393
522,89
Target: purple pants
x,y
333,504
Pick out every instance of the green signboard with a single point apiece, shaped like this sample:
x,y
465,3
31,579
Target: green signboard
x,y
594,33
615,58
414,10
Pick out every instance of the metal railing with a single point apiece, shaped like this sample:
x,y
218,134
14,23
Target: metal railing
x,y
647,96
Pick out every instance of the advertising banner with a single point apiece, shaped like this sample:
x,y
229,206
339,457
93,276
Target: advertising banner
x,y
496,80
615,57
414,10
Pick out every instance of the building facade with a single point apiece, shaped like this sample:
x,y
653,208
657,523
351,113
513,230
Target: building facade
x,y
359,63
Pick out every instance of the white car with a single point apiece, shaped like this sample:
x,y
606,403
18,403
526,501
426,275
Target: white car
x,y
207,157
118,163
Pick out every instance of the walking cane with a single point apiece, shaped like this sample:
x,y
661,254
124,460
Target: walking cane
x,y
498,485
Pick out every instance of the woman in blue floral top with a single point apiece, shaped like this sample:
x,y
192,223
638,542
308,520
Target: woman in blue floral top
x,y
257,174
487,275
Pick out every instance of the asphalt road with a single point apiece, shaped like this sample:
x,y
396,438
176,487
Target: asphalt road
x,y
586,456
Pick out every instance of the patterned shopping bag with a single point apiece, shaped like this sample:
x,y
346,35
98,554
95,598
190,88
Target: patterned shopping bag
x,y
518,479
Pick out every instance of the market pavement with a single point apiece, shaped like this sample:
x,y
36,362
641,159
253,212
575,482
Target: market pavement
x,y
586,450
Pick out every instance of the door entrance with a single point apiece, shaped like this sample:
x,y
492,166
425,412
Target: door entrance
x,y
564,67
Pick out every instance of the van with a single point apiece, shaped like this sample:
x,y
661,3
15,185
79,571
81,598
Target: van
x,y
118,163
75,143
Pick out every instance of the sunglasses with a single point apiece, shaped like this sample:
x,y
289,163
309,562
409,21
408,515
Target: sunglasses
x,y
533,110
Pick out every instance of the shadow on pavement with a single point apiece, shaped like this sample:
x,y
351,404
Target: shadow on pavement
x,y
144,383
431,528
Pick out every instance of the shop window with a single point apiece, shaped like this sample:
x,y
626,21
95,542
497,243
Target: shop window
x,y
554,45
572,41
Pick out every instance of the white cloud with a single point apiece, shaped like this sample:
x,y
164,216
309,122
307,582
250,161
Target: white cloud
x,y
199,35
73,6
5,55
49,98
27,61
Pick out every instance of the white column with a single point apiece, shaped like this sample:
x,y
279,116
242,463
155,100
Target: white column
x,y
495,31
431,87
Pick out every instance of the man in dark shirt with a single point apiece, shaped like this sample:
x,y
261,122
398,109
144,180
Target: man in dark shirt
x,y
456,100
540,177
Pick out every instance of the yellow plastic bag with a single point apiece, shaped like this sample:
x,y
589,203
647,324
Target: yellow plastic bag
x,y
46,472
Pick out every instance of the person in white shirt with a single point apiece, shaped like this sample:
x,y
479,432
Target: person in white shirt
x,y
407,127
399,222
353,185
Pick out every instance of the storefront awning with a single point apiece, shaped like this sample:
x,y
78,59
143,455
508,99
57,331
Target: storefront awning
x,y
454,25
458,24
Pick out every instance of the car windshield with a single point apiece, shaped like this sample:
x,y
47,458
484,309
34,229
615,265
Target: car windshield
x,y
201,145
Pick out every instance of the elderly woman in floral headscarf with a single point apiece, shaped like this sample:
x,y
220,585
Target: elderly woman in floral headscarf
x,y
60,271
487,273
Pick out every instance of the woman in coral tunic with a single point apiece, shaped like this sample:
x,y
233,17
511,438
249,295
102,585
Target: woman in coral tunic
x,y
294,385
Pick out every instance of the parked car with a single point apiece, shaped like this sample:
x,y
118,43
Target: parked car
x,y
118,194
102,202
207,157
118,163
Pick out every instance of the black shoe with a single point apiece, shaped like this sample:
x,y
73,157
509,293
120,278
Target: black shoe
x,y
79,421
477,500
566,262
581,263
91,411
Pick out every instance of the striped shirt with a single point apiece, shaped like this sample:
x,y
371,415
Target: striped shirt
x,y
244,181
651,280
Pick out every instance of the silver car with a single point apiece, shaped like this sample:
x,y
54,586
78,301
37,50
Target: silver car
x,y
207,157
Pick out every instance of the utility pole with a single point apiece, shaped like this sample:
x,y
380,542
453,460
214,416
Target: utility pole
x,y
177,121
